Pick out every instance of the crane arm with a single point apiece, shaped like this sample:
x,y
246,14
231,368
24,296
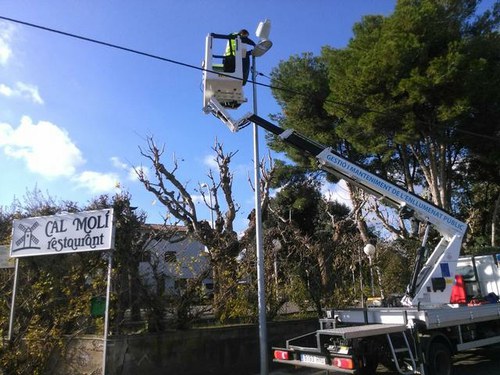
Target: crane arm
x,y
389,193
431,282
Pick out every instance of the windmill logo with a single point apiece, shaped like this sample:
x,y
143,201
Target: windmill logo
x,y
28,238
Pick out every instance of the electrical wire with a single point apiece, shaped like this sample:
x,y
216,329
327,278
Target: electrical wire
x,y
164,59
122,48
190,66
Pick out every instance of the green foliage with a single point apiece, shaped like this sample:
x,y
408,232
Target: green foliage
x,y
396,259
312,244
299,201
483,250
426,77
129,243
482,198
301,88
6,217
413,97
55,292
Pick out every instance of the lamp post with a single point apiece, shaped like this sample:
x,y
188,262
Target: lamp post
x,y
369,250
259,238
261,48
204,185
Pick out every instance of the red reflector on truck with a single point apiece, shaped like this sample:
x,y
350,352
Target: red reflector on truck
x,y
281,354
346,363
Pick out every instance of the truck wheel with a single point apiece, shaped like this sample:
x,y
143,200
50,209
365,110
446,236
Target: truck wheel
x,y
439,359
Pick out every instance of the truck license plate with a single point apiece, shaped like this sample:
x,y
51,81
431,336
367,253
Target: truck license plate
x,y
312,359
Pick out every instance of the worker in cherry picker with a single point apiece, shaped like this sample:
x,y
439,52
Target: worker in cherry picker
x,y
229,55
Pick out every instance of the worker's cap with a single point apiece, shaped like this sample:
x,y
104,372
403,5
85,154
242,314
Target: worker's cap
x,y
243,32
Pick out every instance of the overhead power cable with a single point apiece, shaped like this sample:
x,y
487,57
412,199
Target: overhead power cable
x,y
111,45
180,63
137,52
115,46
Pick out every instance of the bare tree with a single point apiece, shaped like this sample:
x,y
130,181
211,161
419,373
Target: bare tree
x,y
221,240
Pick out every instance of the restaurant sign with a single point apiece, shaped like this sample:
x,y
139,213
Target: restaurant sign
x,y
62,234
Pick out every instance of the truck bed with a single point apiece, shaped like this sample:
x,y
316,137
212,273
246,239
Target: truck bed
x,y
431,317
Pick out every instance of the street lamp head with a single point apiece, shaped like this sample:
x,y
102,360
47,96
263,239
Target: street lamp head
x,y
261,48
264,43
369,250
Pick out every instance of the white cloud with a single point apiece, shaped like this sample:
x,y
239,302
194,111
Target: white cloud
x,y
131,171
22,90
5,90
44,147
98,182
29,91
47,150
197,198
117,163
6,32
209,160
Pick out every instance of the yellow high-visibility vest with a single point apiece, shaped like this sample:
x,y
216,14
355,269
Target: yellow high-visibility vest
x,y
231,46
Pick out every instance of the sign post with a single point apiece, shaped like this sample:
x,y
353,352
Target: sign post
x,y
64,234
12,304
106,313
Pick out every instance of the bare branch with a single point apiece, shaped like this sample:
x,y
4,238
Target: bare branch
x,y
226,184
177,200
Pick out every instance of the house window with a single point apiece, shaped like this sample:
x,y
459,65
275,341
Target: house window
x,y
170,257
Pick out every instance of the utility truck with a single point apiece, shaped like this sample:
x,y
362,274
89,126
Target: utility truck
x,y
450,304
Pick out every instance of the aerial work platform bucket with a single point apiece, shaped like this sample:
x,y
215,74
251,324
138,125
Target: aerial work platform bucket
x,y
223,74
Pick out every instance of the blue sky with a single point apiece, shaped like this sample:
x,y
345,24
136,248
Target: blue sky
x,y
73,114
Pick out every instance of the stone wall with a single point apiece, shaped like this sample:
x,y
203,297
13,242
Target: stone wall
x,y
218,350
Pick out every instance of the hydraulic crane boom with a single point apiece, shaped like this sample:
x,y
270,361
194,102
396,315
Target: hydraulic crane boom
x,y
388,192
432,282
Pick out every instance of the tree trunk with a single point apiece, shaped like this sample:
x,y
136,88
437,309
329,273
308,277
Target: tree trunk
x,y
405,159
379,279
325,274
358,203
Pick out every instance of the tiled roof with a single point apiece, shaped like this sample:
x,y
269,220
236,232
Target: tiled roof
x,y
164,227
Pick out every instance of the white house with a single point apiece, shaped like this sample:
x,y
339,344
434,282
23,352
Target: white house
x,y
174,261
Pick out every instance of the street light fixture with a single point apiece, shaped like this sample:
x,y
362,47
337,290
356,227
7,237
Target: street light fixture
x,y
369,250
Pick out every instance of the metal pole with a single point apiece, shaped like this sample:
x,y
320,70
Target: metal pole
x,y
106,313
13,302
361,281
259,238
371,275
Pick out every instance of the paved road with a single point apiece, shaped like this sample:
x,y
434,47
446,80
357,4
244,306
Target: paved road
x,y
476,362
